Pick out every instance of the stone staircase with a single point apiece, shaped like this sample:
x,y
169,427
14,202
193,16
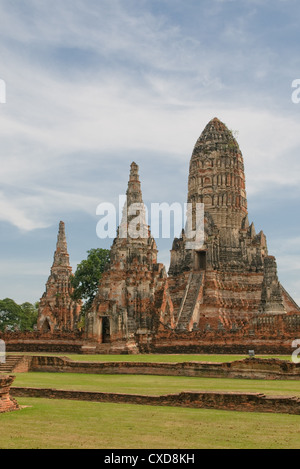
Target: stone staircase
x,y
10,363
189,300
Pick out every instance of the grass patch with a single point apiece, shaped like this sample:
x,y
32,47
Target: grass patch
x,y
158,358
153,385
62,424
169,358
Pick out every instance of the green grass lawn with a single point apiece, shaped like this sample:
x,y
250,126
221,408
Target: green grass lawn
x,y
169,358
158,358
153,385
48,424
61,424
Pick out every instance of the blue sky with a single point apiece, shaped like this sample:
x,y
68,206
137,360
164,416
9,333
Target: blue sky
x,y
93,85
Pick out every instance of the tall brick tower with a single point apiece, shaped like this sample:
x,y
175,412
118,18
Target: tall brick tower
x,y
217,178
57,310
231,274
131,290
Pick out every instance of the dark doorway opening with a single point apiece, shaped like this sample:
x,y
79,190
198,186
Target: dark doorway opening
x,y
105,331
200,260
46,327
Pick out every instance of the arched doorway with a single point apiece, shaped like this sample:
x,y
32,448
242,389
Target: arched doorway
x,y
105,330
46,326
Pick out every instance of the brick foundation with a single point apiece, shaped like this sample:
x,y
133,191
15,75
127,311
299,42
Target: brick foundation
x,y
36,342
263,339
248,369
243,402
222,342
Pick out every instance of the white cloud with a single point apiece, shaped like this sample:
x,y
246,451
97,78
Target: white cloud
x,y
93,85
38,144
14,213
39,208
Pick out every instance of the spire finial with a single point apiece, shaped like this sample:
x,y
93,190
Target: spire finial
x,y
134,201
134,192
61,256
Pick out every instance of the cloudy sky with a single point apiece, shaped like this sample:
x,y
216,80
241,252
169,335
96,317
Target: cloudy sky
x,y
92,85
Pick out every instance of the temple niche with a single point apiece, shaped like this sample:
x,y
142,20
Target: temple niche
x,y
58,312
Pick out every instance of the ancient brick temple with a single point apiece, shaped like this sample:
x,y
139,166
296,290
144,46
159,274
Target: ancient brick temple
x,y
57,311
216,286
132,291
220,294
231,275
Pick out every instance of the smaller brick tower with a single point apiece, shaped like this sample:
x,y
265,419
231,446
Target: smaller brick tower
x,y
57,310
130,300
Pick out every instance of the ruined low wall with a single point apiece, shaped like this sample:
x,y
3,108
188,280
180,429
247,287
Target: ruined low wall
x,y
249,368
7,403
219,343
164,342
31,346
243,402
36,342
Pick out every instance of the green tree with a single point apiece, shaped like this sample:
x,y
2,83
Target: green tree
x,y
87,276
17,317
29,316
10,314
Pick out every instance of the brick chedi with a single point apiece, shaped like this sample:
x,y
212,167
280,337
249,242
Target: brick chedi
x,y
132,292
58,312
231,275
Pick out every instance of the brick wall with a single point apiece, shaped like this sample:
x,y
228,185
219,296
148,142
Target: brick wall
x,y
35,342
249,368
222,342
264,334
243,402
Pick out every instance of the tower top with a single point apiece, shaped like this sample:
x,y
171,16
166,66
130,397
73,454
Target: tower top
x,y
134,212
216,136
134,192
134,241
61,238
61,256
217,176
